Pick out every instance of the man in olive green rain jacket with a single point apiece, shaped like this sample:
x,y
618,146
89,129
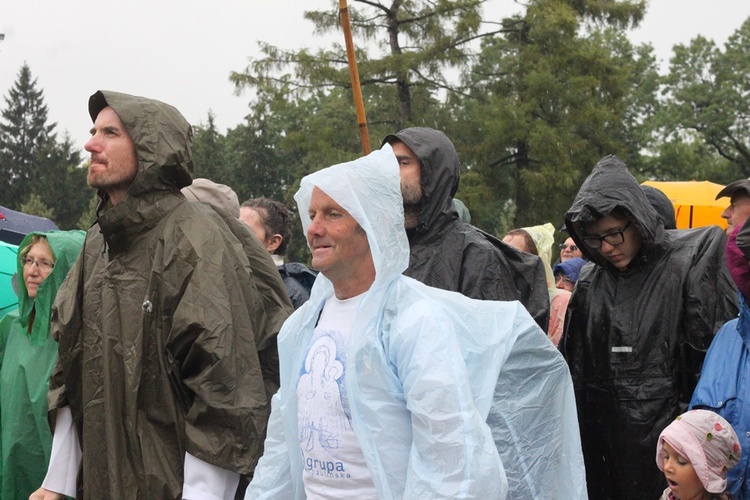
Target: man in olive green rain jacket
x,y
161,325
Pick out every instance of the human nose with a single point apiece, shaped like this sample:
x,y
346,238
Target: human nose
x,y
606,247
727,213
34,268
668,465
316,227
92,145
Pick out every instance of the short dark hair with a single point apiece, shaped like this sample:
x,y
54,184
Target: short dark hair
x,y
275,219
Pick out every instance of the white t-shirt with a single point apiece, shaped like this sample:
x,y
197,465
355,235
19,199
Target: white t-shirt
x,y
332,459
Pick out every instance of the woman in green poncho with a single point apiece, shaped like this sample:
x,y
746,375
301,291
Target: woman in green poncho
x,y
27,356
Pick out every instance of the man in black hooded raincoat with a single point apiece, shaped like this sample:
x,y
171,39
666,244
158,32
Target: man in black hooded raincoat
x,y
453,255
639,323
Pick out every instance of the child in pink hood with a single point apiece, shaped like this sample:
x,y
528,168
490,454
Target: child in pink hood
x,y
695,452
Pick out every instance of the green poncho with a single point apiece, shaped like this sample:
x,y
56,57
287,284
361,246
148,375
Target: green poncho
x,y
26,361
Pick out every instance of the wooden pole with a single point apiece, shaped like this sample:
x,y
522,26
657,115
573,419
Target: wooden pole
x,y
359,103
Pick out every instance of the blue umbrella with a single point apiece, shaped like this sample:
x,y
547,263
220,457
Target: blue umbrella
x,y
14,226
8,267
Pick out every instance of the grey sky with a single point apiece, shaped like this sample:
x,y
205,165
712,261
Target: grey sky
x,y
182,51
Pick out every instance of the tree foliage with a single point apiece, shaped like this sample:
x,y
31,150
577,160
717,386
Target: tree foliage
x,y
37,171
708,97
25,136
405,49
546,95
531,103
549,97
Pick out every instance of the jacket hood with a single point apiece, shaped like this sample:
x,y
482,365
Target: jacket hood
x,y
610,186
439,172
571,268
163,142
661,204
162,136
369,188
66,245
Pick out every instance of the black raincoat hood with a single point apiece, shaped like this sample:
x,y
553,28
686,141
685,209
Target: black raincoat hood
x,y
610,186
446,253
440,173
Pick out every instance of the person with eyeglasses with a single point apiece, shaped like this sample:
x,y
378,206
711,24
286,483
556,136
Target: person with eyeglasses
x,y
639,323
566,273
569,250
27,356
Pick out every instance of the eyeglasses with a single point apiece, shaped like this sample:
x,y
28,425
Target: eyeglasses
x,y
572,248
614,238
43,265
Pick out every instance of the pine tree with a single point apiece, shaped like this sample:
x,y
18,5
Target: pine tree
x,y
24,136
34,165
36,206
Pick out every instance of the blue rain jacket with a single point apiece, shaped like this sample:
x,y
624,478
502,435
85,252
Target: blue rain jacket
x,y
437,382
724,387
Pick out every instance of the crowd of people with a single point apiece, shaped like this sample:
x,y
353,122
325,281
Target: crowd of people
x,y
172,352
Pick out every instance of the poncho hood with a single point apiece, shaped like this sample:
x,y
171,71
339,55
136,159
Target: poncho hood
x,y
162,136
440,173
66,245
374,200
610,186
163,145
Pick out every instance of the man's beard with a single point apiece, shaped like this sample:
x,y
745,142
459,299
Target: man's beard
x,y
411,215
412,196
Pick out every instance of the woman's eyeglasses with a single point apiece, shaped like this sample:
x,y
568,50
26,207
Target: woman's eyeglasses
x,y
572,248
41,264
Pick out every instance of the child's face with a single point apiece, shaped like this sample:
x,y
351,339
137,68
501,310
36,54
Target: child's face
x,y
682,479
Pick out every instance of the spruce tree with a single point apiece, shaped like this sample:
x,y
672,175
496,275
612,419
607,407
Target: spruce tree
x,y
24,136
34,165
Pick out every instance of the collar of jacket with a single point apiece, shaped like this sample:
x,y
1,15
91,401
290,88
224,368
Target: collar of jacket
x,y
435,230
135,215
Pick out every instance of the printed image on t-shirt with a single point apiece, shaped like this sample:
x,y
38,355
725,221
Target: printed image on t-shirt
x,y
332,459
324,412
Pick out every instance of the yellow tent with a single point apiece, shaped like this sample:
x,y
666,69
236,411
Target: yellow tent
x,y
695,202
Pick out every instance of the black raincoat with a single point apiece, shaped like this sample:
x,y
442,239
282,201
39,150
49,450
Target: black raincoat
x,y
160,324
450,254
298,280
635,340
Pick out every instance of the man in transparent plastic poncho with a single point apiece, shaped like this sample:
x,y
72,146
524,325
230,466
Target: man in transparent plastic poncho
x,y
392,389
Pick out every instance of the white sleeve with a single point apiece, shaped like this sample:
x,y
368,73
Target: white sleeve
x,y
207,481
65,457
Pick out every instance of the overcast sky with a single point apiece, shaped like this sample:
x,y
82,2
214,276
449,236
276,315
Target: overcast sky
x,y
182,51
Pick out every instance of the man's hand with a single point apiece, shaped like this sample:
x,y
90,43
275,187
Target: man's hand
x,y
42,494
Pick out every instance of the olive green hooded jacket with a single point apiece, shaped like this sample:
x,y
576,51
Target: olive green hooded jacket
x,y
161,323
27,356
